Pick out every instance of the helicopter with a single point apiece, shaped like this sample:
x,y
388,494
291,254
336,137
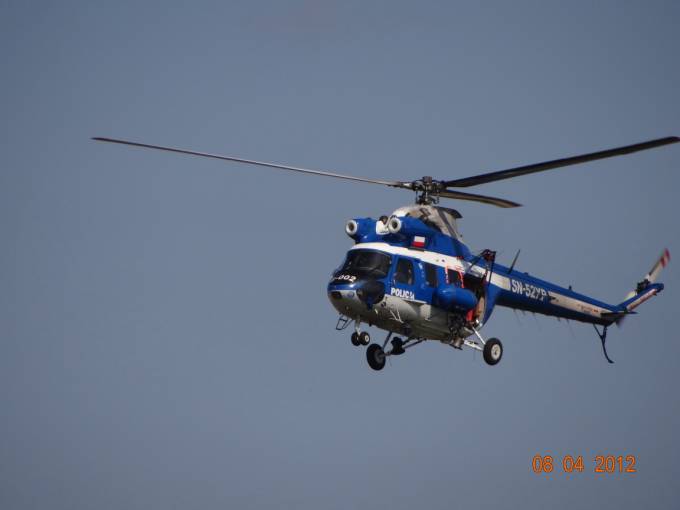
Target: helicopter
x,y
411,274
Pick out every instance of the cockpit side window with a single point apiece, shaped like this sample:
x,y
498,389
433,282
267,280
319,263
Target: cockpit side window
x,y
404,272
430,274
453,277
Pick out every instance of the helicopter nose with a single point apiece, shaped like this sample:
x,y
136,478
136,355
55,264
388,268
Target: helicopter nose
x,y
371,292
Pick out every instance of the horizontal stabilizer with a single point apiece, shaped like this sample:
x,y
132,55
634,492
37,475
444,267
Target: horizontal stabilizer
x,y
615,316
649,291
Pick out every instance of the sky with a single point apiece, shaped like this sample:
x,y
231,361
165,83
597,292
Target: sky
x,y
165,336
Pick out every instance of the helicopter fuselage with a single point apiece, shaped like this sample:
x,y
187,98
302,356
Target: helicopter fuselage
x,y
406,277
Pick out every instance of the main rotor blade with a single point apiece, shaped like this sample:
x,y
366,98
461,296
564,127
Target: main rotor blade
x,y
557,163
459,195
395,184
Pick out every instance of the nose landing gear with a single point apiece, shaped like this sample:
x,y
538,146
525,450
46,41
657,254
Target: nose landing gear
x,y
360,337
355,339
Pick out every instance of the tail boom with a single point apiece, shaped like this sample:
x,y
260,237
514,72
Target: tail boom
x,y
523,292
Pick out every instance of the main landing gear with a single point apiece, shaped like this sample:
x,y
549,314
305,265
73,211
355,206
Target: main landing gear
x,y
492,349
377,356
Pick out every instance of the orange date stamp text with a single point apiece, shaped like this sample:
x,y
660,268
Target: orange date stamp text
x,y
605,464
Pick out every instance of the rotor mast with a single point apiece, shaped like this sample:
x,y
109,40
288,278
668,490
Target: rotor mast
x,y
426,189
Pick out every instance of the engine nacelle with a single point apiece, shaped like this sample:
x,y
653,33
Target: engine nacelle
x,y
456,299
408,228
394,225
359,228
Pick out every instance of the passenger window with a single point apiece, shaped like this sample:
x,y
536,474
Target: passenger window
x,y
454,277
430,274
404,272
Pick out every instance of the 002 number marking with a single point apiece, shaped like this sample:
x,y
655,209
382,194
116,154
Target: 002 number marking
x,y
601,464
344,277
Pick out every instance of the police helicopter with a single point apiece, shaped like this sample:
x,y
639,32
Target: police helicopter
x,y
411,274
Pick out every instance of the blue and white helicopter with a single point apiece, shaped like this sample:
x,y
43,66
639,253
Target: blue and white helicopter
x,y
411,274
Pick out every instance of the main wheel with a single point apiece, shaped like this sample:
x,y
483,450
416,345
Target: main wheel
x,y
375,357
493,351
364,338
355,339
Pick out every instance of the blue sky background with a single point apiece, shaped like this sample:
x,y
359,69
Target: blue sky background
x,y
165,338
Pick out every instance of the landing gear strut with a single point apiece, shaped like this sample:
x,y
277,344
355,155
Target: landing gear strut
x,y
492,349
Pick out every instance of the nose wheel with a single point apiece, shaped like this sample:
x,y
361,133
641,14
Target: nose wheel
x,y
355,339
362,338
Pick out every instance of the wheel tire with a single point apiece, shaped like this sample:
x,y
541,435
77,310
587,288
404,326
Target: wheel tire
x,y
493,351
364,338
355,339
375,357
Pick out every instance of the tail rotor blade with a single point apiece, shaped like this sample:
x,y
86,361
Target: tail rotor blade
x,y
663,261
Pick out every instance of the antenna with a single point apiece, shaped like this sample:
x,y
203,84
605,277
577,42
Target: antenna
x,y
512,266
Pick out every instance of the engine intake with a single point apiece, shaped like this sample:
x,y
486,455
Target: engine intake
x,y
394,225
351,228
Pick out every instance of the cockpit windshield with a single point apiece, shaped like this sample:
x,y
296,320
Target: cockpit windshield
x,y
366,264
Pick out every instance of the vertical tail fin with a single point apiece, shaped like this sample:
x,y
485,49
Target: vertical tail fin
x,y
646,288
652,275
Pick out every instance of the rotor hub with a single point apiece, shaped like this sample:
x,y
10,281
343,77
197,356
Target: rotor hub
x,y
428,190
